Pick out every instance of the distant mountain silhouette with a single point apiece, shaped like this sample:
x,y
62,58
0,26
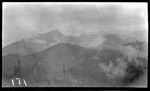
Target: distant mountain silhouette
x,y
43,41
33,44
16,47
50,37
136,44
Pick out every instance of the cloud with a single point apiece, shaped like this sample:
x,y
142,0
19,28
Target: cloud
x,y
93,43
73,19
130,52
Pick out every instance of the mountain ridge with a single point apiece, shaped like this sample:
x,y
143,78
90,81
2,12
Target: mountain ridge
x,y
43,41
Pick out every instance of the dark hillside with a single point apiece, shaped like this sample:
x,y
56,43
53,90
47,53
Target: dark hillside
x,y
63,54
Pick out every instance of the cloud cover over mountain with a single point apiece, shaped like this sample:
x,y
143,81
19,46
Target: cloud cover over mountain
x,y
25,20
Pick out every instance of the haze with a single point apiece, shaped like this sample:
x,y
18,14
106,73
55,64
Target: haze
x,y
23,20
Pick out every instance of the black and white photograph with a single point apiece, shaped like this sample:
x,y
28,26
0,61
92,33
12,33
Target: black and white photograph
x,y
74,44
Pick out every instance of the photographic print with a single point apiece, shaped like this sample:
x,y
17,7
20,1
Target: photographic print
x,y
74,44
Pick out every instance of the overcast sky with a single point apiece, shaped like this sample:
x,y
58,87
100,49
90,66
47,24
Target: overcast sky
x,y
27,19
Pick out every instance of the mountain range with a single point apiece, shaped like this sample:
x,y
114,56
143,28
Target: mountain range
x,y
52,53
55,58
43,41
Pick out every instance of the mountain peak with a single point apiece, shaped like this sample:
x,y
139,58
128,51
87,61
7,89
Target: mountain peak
x,y
55,32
